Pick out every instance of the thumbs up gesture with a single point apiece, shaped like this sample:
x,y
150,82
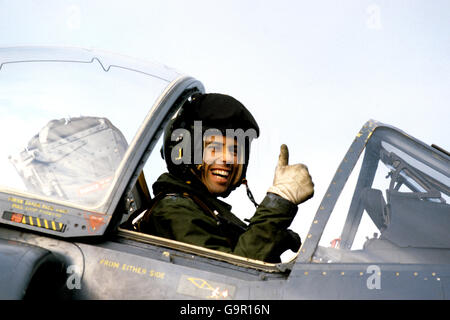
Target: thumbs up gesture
x,y
291,182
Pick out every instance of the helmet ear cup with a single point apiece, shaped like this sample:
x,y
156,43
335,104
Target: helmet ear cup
x,y
170,142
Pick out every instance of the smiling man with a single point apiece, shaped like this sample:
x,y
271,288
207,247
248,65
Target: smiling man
x,y
186,205
220,160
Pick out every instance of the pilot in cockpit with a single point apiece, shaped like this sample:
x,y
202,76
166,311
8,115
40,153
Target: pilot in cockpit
x,y
207,148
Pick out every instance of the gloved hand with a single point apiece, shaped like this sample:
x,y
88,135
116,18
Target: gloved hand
x,y
291,182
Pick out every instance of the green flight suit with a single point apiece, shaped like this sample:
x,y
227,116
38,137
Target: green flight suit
x,y
180,215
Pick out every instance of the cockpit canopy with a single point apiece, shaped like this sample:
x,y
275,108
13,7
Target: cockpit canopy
x,y
68,118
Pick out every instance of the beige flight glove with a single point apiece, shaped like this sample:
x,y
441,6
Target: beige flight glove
x,y
291,182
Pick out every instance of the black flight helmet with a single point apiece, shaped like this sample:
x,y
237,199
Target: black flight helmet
x,y
183,137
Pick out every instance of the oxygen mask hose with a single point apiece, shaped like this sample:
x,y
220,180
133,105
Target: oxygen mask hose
x,y
249,193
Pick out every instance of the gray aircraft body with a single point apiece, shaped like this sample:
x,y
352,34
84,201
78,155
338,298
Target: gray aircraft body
x,y
66,193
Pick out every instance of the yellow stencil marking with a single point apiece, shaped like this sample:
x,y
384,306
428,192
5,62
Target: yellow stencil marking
x,y
201,284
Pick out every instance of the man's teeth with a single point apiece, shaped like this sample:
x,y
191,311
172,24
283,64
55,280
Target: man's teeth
x,y
221,173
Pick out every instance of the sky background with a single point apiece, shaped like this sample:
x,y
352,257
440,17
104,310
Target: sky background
x,y
311,72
